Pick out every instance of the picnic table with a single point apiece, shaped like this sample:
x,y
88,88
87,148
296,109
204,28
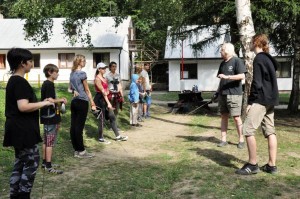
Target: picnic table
x,y
188,101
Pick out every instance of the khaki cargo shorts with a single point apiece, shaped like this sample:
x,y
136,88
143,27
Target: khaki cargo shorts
x,y
230,104
259,115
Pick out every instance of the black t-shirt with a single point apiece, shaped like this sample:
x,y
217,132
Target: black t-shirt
x,y
49,115
232,67
22,129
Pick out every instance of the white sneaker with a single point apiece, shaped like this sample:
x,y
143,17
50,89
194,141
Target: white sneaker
x,y
103,141
83,154
122,138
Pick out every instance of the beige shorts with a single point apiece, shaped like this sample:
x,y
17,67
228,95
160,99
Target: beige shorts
x,y
230,104
259,115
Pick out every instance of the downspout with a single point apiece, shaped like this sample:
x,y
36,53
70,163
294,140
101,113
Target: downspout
x,y
120,60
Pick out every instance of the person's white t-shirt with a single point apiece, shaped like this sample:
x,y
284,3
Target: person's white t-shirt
x,y
111,77
145,75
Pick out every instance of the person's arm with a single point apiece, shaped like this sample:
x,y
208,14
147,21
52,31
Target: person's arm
x,y
60,100
256,85
49,94
72,90
232,77
120,89
100,87
89,94
25,106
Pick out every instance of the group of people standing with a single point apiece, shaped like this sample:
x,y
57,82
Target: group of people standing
x,y
140,95
261,101
22,130
22,108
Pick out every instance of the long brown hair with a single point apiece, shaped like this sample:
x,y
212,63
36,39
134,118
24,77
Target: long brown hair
x,y
77,59
261,41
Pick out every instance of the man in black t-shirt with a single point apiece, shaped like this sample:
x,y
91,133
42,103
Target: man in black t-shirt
x,y
22,129
231,73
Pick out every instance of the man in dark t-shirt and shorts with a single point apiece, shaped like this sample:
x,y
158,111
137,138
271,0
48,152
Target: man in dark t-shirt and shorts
x,y
231,73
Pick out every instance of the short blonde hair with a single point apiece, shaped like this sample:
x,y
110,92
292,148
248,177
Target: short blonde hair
x,y
138,69
228,49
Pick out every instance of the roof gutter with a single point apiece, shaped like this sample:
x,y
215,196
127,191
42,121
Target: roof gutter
x,y
67,48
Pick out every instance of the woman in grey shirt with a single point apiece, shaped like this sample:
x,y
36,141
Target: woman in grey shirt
x,y
79,106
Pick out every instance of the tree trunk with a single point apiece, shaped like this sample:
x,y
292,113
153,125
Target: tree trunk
x,y
246,31
294,98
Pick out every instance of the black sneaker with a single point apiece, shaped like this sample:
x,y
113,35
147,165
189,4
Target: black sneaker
x,y
269,169
241,145
53,171
222,144
248,169
53,165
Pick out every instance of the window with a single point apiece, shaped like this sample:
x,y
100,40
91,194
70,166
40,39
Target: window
x,y
189,71
65,60
2,61
36,60
100,57
284,69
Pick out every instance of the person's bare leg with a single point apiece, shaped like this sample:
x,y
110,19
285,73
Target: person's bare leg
x,y
48,154
224,126
144,109
251,143
239,126
44,152
272,145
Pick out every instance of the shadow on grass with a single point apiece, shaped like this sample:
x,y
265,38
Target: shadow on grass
x,y
219,157
211,139
91,131
185,124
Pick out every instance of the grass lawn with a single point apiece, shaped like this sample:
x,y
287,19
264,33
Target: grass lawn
x,y
183,164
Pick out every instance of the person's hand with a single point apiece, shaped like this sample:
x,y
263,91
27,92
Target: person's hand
x,y
93,107
49,99
222,76
109,106
64,100
215,97
48,103
134,105
75,94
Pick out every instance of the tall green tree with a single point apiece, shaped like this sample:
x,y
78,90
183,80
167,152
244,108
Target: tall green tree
x,y
277,18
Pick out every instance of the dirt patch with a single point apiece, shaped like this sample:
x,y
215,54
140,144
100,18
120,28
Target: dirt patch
x,y
144,141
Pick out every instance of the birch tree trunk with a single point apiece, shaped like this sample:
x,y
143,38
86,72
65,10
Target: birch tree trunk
x,y
294,98
246,31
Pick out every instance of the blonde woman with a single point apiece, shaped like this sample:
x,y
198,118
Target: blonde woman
x,y
79,106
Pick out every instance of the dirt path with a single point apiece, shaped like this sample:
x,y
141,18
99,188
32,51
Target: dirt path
x,y
144,141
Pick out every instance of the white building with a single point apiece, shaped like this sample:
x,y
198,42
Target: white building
x,y
110,43
200,68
